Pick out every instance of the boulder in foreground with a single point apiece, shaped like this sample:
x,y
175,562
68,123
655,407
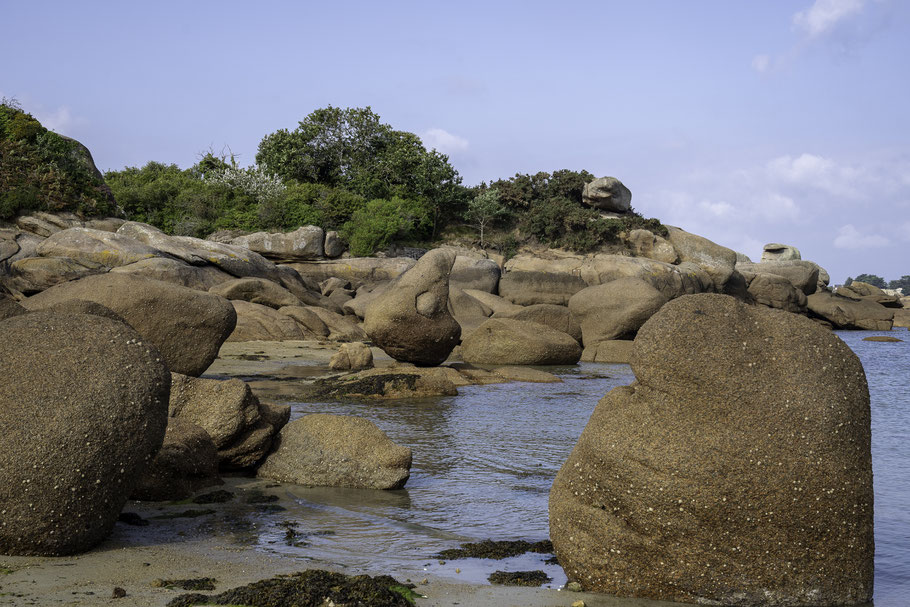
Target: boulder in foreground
x,y
83,407
735,470
321,450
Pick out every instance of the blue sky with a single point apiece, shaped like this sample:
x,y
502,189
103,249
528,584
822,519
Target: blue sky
x,y
745,122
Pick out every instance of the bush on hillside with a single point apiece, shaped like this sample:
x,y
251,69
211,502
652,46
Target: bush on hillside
x,y
43,171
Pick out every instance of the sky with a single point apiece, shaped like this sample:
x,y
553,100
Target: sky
x,y
744,122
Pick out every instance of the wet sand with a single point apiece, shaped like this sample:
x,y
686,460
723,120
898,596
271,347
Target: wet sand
x,y
227,545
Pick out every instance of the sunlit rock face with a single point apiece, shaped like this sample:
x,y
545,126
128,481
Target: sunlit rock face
x,y
735,470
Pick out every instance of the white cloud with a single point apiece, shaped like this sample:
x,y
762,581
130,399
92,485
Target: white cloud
x,y
848,237
824,15
761,63
810,171
444,142
59,120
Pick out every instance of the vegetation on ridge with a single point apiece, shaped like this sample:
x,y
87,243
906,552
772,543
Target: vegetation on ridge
x,y
43,171
340,169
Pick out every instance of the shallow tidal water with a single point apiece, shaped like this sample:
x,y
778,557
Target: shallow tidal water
x,y
484,462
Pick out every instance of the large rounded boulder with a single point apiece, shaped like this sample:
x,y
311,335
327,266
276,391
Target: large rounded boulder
x,y
83,407
321,450
736,470
410,321
615,310
505,341
186,325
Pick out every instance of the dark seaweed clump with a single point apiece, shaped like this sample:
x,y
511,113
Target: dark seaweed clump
x,y
314,588
184,514
215,497
489,549
200,583
519,578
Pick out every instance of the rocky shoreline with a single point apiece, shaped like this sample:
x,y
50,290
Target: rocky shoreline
x,y
109,325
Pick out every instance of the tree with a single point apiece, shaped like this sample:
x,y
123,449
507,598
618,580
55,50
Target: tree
x,y
483,210
872,279
350,148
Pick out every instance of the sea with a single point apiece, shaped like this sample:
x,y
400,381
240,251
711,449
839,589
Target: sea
x,y
484,462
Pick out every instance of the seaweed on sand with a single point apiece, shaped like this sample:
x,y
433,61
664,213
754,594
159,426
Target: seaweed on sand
x,y
519,578
497,550
314,588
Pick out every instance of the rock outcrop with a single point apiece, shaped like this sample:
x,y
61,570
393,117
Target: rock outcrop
x,y
735,470
607,194
615,310
83,407
848,313
410,321
779,252
320,450
185,325
504,341
304,243
241,428
352,357
186,463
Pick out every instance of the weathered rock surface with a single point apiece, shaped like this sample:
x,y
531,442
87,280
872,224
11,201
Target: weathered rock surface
x,y
867,292
526,374
719,262
803,275
96,248
400,381
308,321
256,322
644,243
527,288
474,273
616,351
256,290
186,462
608,194
352,357
341,328
333,246
735,470
178,272
779,252
369,271
468,311
187,326
83,407
615,310
504,341
304,243
776,291
847,313
35,274
9,308
241,428
320,450
555,317
410,321
498,305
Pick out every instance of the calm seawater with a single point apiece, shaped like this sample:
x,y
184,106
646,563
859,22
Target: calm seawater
x,y
484,462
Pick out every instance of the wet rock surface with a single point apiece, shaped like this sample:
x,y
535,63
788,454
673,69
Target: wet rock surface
x,y
320,450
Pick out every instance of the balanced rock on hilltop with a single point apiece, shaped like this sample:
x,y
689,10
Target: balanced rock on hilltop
x,y
607,194
83,407
736,470
410,321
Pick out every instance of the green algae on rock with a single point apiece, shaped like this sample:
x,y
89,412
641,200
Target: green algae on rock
x,y
520,578
497,550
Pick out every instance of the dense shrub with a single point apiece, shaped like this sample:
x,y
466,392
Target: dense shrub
x,y
43,171
383,221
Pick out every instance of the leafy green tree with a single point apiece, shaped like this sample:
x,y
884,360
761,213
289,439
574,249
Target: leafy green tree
x,y
483,210
350,148
872,279
380,222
